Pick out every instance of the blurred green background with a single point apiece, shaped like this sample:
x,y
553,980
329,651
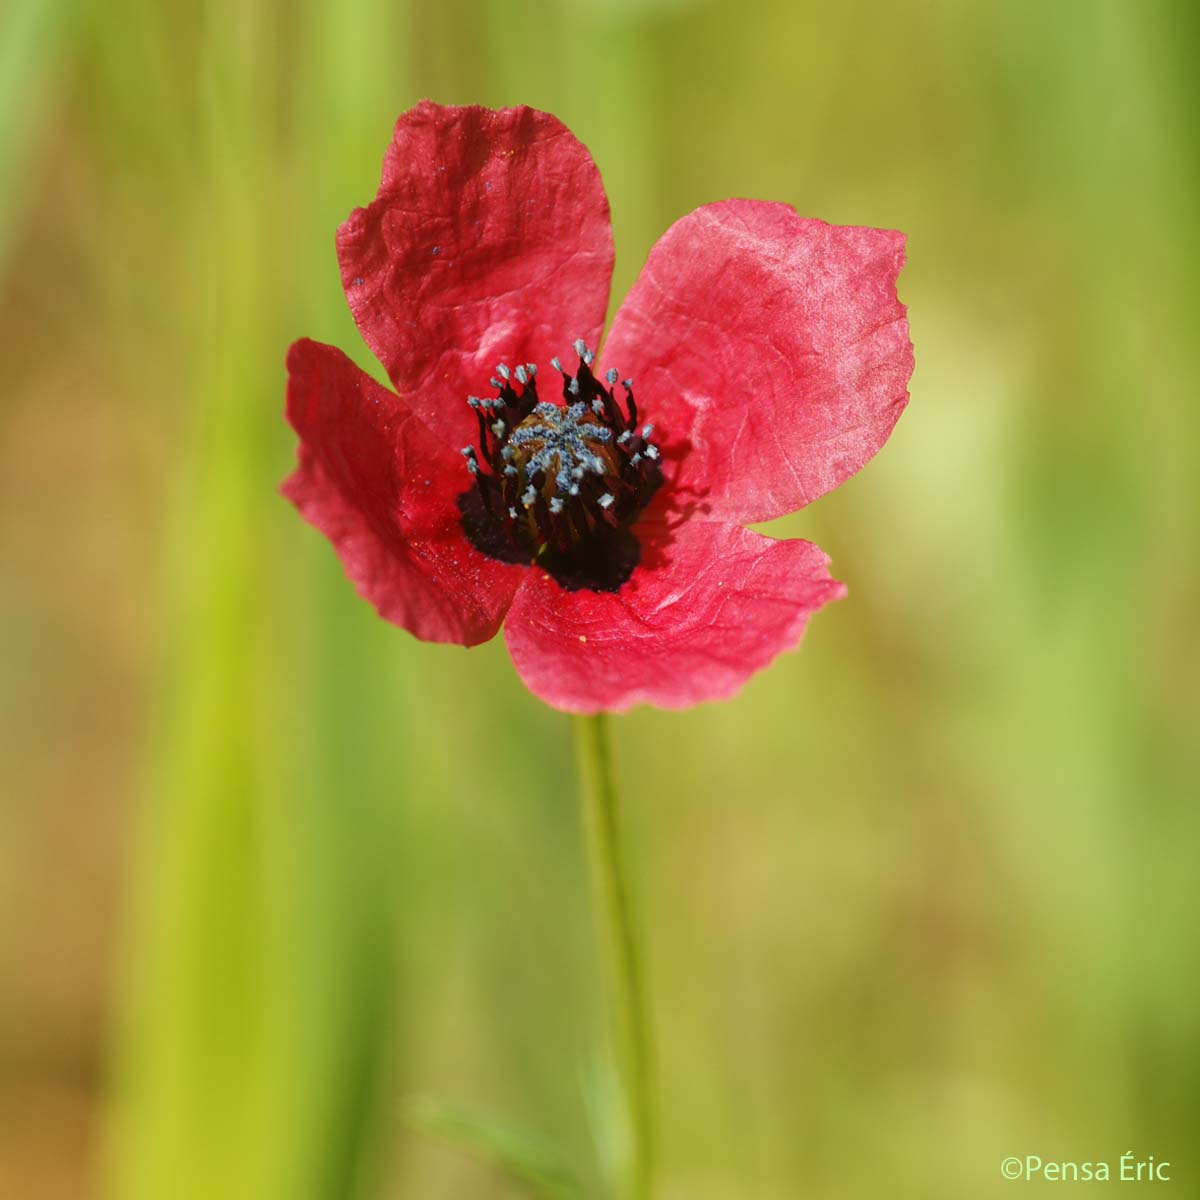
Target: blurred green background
x,y
924,896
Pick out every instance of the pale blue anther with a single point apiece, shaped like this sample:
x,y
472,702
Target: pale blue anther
x,y
647,430
556,505
627,384
532,369
512,512
528,496
495,383
611,375
522,377
472,466
467,451
554,362
651,451
598,407
580,347
502,371
573,387
511,471
623,437
606,501
473,401
507,453
498,428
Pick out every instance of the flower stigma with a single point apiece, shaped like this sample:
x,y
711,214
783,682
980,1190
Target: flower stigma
x,y
560,485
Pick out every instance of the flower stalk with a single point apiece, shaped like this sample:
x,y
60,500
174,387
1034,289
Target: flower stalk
x,y
613,909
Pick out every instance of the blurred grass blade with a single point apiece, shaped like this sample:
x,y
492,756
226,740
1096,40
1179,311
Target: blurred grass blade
x,y
605,1107
258,990
517,1152
30,40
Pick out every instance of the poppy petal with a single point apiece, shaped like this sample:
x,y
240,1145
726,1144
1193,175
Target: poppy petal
x,y
382,488
770,351
489,241
709,604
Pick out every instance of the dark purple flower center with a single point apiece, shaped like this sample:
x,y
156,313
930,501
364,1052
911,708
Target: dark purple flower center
x,y
560,485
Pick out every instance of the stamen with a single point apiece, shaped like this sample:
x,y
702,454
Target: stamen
x,y
533,499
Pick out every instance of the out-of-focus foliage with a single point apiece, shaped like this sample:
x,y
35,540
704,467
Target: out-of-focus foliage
x,y
922,897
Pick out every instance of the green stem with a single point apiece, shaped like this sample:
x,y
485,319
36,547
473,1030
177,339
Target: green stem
x,y
613,906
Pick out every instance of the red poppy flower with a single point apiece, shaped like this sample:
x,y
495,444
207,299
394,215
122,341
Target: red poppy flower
x,y
771,360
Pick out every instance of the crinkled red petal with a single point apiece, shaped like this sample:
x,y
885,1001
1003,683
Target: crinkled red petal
x,y
382,488
709,605
770,351
489,241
